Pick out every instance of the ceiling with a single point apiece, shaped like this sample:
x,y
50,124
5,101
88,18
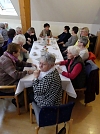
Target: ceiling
x,y
73,11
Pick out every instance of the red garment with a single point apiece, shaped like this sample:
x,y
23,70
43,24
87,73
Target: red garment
x,y
76,70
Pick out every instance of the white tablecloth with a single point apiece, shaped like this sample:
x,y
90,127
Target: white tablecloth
x,y
28,79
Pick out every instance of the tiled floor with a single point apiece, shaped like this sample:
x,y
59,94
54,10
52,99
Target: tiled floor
x,y
86,119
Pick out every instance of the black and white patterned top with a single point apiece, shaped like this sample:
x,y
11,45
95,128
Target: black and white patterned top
x,y
48,90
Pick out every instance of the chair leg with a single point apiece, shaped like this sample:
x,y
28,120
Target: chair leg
x,y
17,103
85,104
25,99
37,129
70,125
31,114
64,97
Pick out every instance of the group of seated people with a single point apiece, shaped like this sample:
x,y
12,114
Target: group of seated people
x,y
47,86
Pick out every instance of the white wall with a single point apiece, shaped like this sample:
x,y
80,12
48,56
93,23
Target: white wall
x,y
56,27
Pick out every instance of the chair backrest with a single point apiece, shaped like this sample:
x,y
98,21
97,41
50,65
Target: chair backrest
x,y
48,115
91,56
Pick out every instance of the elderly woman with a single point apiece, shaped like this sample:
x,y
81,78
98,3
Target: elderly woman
x,y
3,32
18,30
84,32
75,68
46,31
21,40
47,88
30,36
82,42
8,64
1,43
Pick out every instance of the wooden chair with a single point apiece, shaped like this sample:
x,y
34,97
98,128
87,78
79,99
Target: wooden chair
x,y
48,115
10,95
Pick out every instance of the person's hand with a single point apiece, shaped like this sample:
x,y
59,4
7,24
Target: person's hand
x,y
29,72
36,73
59,70
34,66
29,39
32,34
57,63
24,50
28,43
64,45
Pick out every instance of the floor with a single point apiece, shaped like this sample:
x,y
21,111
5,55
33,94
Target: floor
x,y
86,119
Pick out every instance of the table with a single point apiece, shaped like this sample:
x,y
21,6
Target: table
x,y
28,79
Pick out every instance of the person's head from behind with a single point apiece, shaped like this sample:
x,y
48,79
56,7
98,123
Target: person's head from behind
x,y
46,26
14,49
84,31
47,62
72,52
75,30
18,30
66,29
82,42
2,25
19,39
11,33
31,31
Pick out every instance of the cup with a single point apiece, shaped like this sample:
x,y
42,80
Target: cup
x,y
34,53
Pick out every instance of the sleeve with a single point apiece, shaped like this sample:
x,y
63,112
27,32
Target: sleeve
x,y
23,64
41,34
10,69
35,38
50,34
26,55
76,70
71,42
64,62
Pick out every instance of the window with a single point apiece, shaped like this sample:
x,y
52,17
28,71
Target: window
x,y
6,8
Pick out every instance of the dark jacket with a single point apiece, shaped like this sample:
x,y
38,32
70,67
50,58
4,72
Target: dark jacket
x,y
92,86
63,37
80,80
32,37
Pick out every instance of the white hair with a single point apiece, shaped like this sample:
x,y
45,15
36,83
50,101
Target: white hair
x,y
48,57
74,50
18,29
19,39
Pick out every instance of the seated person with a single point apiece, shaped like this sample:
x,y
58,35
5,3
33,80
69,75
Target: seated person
x,y
11,34
8,64
21,40
75,68
1,43
3,32
47,87
72,40
18,30
63,38
30,38
84,32
82,42
46,31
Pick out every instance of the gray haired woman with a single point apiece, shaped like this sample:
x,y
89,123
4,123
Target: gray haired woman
x,y
75,68
21,40
47,88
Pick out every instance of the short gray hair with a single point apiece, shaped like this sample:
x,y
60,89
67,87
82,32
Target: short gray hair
x,y
2,25
19,39
48,57
18,29
74,50
83,40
